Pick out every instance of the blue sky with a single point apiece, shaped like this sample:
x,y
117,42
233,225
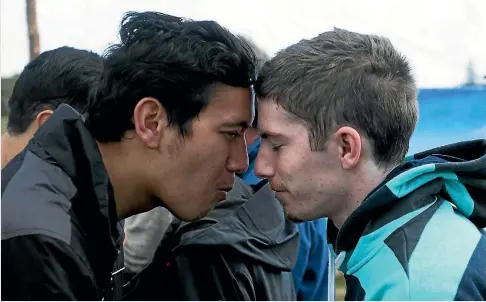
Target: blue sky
x,y
438,36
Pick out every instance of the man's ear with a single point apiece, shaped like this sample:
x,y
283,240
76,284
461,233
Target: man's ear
x,y
348,141
42,117
150,120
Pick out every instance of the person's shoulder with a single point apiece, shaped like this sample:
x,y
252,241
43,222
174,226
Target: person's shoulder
x,y
11,168
440,245
37,200
33,245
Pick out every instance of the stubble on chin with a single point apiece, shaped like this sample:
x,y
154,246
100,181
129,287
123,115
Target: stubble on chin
x,y
292,218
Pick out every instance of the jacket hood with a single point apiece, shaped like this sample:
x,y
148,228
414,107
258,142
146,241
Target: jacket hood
x,y
250,221
456,173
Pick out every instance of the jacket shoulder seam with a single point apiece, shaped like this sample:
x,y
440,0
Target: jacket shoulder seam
x,y
34,231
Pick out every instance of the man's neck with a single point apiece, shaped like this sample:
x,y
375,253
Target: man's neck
x,y
362,186
128,190
11,146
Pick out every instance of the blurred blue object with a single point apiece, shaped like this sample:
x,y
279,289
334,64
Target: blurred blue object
x,y
448,116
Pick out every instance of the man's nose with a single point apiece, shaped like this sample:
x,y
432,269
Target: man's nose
x,y
263,165
238,158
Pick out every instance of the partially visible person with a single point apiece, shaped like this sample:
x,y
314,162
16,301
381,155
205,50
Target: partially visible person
x,y
243,250
310,273
63,75
140,146
336,113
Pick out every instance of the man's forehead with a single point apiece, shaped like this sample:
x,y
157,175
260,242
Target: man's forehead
x,y
230,106
236,123
233,117
270,111
268,127
274,120
271,107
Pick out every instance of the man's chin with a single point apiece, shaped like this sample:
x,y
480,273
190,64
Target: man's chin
x,y
202,213
189,217
192,214
293,218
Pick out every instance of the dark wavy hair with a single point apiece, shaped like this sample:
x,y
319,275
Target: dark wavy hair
x,y
175,60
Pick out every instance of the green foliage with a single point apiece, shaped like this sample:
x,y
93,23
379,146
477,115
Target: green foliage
x,y
4,124
7,88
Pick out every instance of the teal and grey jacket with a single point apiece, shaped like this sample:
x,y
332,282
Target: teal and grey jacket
x,y
419,235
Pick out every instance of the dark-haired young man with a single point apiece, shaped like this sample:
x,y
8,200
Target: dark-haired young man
x,y
165,127
247,245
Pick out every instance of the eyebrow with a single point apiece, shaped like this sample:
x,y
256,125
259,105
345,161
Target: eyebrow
x,y
268,134
242,124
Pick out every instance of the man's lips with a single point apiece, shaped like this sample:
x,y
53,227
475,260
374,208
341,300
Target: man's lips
x,y
278,190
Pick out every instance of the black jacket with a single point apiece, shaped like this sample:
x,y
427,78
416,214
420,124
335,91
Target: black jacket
x,y
243,250
60,236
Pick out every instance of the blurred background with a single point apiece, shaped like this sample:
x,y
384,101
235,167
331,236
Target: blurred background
x,y
445,41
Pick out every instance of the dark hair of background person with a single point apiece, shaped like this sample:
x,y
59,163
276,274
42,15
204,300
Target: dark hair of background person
x,y
61,75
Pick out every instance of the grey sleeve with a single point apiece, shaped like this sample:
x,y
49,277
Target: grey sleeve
x,y
143,233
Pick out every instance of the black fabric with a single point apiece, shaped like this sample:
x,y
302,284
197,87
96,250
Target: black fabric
x,y
403,240
189,276
58,213
39,267
378,202
469,150
243,250
468,161
354,290
417,199
476,191
469,288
